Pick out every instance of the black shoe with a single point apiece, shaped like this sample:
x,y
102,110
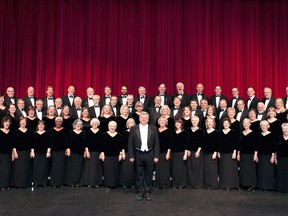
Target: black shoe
x,y
140,197
148,197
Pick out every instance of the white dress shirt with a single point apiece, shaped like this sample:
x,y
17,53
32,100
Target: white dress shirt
x,y
144,137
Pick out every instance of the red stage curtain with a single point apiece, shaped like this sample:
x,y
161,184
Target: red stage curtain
x,y
143,42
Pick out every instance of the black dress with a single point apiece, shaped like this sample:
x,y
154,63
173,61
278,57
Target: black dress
x,y
135,116
163,167
282,117
49,123
170,125
179,166
187,124
228,173
275,128
21,167
255,126
76,143
248,144
32,124
267,146
282,164
14,123
195,165
59,162
210,145
86,125
3,113
121,124
68,123
127,172
92,174
41,143
104,123
111,146
6,146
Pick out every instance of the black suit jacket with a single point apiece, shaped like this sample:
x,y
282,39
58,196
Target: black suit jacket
x,y
19,113
117,110
253,103
199,113
285,101
167,100
7,101
147,102
134,141
92,112
85,102
194,97
264,116
235,105
66,101
45,103
73,112
212,100
185,100
153,115
28,102
120,102
178,114
244,115
270,104
103,101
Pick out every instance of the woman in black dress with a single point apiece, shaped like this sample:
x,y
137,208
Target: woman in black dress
x,y
234,122
92,174
179,155
248,156
228,173
165,112
186,117
275,124
127,172
163,167
282,160
40,151
59,163
21,172
139,107
3,108
12,115
67,119
266,156
209,149
5,153
32,120
195,159
85,118
280,110
112,152
122,119
255,123
105,117
210,114
76,151
49,119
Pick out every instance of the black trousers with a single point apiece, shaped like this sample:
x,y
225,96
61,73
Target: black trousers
x,y
144,170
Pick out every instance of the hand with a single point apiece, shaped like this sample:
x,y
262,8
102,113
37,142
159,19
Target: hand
x,y
131,160
12,157
233,156
189,153
156,160
276,161
102,156
120,157
48,155
255,158
167,157
68,152
123,156
272,160
197,154
88,155
15,155
214,156
238,157
184,157
32,155
218,155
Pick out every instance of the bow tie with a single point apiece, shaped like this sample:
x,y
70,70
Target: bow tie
x,y
250,99
217,95
39,111
142,97
31,97
234,98
193,110
79,109
107,96
113,106
130,107
203,110
11,97
50,98
199,94
222,110
157,107
96,106
22,110
176,108
124,96
239,111
71,96
161,95
260,113
267,98
90,98
180,94
59,108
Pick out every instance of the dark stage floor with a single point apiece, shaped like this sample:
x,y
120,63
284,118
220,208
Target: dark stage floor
x,y
103,201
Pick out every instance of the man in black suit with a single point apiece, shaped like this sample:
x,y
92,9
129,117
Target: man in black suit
x,y
215,99
285,99
204,106
241,113
10,98
30,99
143,97
235,98
20,111
176,111
107,96
144,149
49,99
95,110
268,100
252,101
195,111
131,104
222,112
69,98
261,113
58,106
40,111
88,101
76,109
154,111
122,99
199,94
114,105
166,99
185,98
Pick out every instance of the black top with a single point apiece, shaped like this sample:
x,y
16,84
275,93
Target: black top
x,y
248,143
3,113
228,142
49,123
6,144
282,147
86,125
58,139
135,116
104,122
93,140
255,126
210,142
14,123
125,136
195,139
32,124
41,142
68,123
165,139
180,141
170,125
22,140
187,124
111,146
267,144
282,116
121,124
76,142
235,126
275,128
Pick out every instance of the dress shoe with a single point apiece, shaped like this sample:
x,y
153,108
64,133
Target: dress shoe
x,y
148,197
140,197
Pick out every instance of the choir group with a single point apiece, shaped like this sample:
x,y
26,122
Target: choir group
x,y
204,142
